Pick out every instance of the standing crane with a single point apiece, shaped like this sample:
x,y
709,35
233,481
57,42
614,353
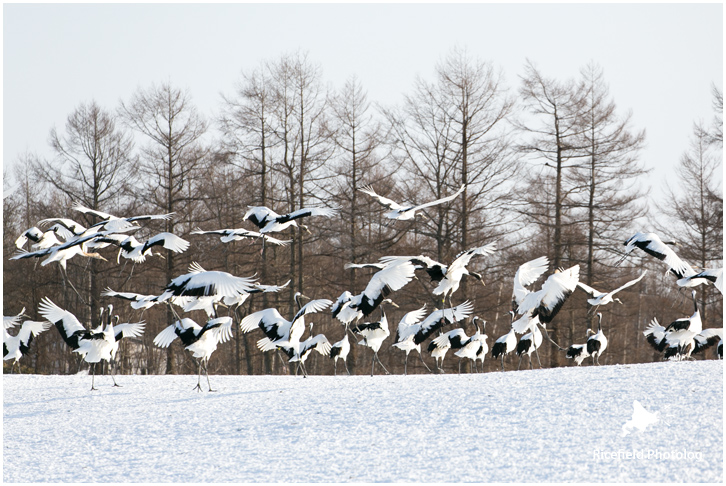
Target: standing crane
x,y
201,341
338,351
505,344
374,333
408,326
597,343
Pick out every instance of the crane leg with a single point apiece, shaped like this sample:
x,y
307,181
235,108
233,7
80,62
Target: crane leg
x,y
405,364
520,362
93,376
502,361
538,361
66,279
379,362
424,362
530,362
206,372
373,362
111,367
345,363
199,376
459,365
304,370
335,367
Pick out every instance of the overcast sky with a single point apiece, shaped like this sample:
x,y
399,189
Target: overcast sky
x,y
660,60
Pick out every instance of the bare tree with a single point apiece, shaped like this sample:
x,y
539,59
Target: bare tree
x,y
695,210
93,165
172,158
608,172
555,131
423,140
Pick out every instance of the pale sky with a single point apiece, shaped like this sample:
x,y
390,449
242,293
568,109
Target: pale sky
x,y
660,60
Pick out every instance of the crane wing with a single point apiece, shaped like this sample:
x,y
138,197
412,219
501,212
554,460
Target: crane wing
x,y
383,201
260,215
465,257
313,306
655,334
301,213
319,343
12,321
32,328
221,327
707,338
169,241
128,329
589,290
266,320
442,200
166,336
67,228
100,214
631,283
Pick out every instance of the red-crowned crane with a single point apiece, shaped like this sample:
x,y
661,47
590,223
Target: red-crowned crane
x,y
598,298
529,343
116,224
505,344
338,351
239,234
476,346
41,239
14,347
711,275
374,333
651,244
401,212
677,339
546,302
449,277
201,283
578,352
388,279
408,326
526,275
201,341
93,345
138,301
440,318
440,345
132,249
597,343
279,332
62,253
300,353
456,271
268,221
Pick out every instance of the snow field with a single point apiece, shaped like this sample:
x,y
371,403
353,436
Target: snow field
x,y
563,424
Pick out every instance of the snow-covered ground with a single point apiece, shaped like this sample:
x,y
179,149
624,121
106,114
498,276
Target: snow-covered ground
x,y
527,426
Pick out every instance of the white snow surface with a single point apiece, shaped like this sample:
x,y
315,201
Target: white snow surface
x,y
562,424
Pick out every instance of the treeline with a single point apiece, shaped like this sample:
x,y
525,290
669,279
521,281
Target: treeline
x,y
551,166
